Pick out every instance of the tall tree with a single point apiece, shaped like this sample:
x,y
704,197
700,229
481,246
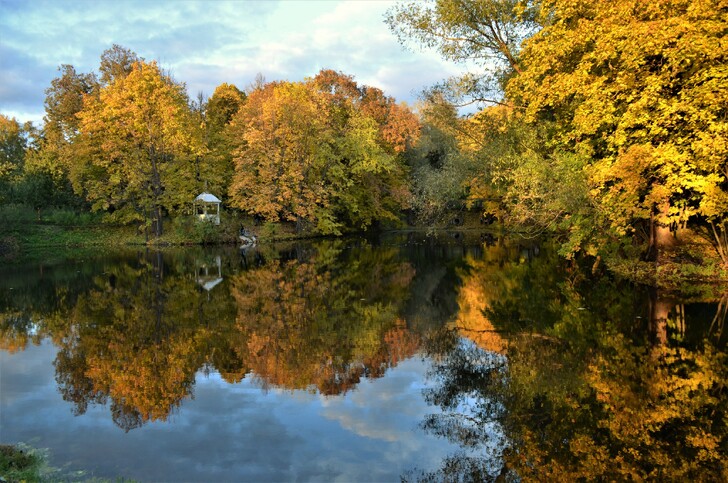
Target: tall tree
x,y
487,33
215,170
117,62
222,106
138,139
309,152
64,100
12,154
636,88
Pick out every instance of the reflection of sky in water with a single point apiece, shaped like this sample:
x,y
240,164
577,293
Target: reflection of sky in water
x,y
229,432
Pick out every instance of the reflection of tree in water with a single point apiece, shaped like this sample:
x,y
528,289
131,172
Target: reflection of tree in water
x,y
324,321
318,318
135,338
34,300
599,383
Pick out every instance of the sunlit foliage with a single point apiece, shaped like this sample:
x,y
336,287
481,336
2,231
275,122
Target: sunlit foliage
x,y
321,153
137,143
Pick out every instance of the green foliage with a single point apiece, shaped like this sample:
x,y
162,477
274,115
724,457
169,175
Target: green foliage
x,y
15,214
188,230
439,170
23,463
487,33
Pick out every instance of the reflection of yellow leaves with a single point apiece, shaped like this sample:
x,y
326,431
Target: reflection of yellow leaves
x,y
471,322
307,325
12,340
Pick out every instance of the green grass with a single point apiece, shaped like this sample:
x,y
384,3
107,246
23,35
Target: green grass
x,y
22,463
691,268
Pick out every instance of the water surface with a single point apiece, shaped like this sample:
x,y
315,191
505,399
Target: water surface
x,y
406,356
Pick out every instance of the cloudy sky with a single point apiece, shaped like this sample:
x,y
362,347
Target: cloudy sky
x,y
205,43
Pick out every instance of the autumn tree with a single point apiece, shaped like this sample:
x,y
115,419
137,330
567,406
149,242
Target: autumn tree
x,y
309,153
50,161
483,33
214,171
373,133
116,63
137,142
222,106
284,145
635,87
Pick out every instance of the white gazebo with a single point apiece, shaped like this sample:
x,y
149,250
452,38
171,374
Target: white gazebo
x,y
207,208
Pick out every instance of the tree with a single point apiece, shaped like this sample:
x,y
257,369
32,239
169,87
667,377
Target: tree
x,y
310,153
117,62
223,105
284,145
215,170
487,33
12,154
440,171
64,100
138,139
635,88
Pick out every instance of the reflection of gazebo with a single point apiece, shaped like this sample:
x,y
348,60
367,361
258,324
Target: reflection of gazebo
x,y
208,274
207,208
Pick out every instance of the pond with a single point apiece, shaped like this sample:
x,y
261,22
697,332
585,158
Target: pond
x,y
404,357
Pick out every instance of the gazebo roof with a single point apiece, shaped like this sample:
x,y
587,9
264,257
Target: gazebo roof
x,y
207,198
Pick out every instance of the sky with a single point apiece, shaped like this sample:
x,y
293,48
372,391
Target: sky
x,y
206,43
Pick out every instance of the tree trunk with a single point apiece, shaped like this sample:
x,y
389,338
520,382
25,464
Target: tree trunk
x,y
661,237
660,308
158,221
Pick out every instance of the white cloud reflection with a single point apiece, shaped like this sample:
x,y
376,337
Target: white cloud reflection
x,y
228,432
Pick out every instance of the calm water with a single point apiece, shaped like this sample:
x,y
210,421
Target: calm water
x,y
435,358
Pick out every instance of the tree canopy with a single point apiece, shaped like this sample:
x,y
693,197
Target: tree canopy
x,y
321,153
621,103
137,140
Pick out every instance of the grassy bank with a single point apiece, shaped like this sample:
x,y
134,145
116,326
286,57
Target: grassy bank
x,y
26,234
23,463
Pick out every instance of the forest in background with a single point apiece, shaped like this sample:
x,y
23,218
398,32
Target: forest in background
x,y
602,123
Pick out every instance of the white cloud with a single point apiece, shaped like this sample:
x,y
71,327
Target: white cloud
x,y
207,43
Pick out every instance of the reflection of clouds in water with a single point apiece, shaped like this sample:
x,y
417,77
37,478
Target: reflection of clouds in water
x,y
375,409
390,410
228,432
27,380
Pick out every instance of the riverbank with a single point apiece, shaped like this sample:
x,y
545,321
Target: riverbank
x,y
691,267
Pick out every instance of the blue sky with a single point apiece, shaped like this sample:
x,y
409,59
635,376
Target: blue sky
x,y
206,43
